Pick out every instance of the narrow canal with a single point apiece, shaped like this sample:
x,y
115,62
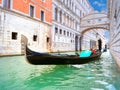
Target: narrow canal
x,y
17,74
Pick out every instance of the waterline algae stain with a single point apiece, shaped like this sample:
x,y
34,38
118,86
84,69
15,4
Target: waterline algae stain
x,y
17,74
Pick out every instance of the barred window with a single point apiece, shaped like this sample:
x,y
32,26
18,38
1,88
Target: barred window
x,y
56,30
34,37
60,31
14,35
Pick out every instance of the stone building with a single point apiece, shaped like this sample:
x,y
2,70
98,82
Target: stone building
x,y
31,18
49,25
114,16
66,30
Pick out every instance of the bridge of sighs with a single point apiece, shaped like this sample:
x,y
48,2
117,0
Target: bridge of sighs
x,y
94,21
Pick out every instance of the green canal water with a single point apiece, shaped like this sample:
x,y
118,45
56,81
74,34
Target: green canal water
x,y
17,74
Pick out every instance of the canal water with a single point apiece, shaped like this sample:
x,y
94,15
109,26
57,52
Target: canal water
x,y
17,74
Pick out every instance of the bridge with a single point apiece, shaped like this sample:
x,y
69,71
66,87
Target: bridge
x,y
94,21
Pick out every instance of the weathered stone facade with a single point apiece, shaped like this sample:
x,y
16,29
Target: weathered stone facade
x,y
50,25
114,16
66,29
15,21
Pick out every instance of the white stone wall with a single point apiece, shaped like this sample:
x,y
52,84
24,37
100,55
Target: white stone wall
x,y
70,23
13,22
72,12
87,37
114,15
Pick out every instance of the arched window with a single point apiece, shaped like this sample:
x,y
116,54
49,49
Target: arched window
x,y
60,16
68,34
56,30
64,32
60,31
47,39
56,11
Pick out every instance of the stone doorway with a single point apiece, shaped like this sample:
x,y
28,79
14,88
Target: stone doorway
x,y
23,44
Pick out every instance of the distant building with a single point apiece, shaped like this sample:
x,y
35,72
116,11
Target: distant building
x,y
31,18
114,16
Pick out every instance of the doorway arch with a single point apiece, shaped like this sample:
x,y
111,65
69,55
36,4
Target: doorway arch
x,y
76,43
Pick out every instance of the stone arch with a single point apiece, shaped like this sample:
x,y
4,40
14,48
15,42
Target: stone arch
x,y
93,28
93,21
24,41
88,29
94,13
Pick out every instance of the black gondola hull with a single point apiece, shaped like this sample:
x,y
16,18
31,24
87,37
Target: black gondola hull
x,y
62,59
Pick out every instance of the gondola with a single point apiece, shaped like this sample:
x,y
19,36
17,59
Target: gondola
x,y
37,58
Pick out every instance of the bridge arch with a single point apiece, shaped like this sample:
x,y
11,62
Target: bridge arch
x,y
93,28
88,29
93,21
